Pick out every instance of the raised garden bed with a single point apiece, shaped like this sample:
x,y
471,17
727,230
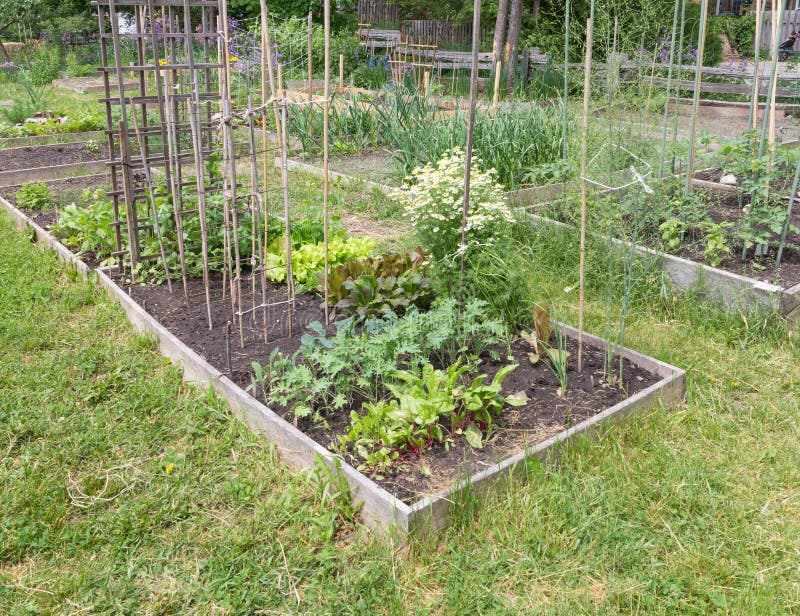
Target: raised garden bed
x,y
418,498
51,138
49,162
751,286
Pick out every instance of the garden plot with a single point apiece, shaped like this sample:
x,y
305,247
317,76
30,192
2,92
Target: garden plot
x,y
490,400
713,240
420,494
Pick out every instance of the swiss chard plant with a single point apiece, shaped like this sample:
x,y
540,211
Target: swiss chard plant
x,y
421,406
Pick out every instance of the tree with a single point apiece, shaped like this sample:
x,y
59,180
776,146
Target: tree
x,y
35,16
499,30
512,43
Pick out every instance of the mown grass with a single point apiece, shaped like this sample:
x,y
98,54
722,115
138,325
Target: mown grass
x,y
694,509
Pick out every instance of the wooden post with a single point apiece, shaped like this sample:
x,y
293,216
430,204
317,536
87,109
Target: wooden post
x,y
496,93
698,77
341,72
426,82
473,97
587,85
310,51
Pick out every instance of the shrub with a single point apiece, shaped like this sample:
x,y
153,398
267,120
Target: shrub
x,y
433,201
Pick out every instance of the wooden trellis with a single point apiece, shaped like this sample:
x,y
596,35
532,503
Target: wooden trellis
x,y
165,130
173,154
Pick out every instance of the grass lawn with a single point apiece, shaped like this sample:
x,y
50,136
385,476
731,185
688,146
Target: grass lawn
x,y
125,491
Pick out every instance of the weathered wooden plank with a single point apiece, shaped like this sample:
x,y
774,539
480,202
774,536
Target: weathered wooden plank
x,y
729,88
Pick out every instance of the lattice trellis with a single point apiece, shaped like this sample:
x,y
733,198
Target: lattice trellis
x,y
174,157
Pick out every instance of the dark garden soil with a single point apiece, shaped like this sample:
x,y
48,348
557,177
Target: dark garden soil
x,y
545,414
33,157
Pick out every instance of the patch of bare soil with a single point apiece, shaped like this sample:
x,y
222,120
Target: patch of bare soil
x,y
368,165
385,231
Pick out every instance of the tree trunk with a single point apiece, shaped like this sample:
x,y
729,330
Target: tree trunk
x,y
512,43
2,31
499,30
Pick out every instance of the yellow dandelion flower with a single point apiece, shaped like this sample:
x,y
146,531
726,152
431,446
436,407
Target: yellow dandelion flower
x,y
169,468
234,58
161,61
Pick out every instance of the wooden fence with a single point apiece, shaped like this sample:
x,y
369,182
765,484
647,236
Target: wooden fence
x,y
791,22
378,12
384,12
442,33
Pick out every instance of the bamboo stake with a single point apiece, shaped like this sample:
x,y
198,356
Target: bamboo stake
x,y
341,72
698,76
177,200
752,119
287,235
310,50
787,222
772,81
566,80
257,249
473,96
325,123
775,36
426,82
770,98
496,93
669,85
229,192
266,58
587,84
227,269
679,81
197,142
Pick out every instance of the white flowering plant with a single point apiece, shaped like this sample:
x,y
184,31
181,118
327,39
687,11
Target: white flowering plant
x,y
433,198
